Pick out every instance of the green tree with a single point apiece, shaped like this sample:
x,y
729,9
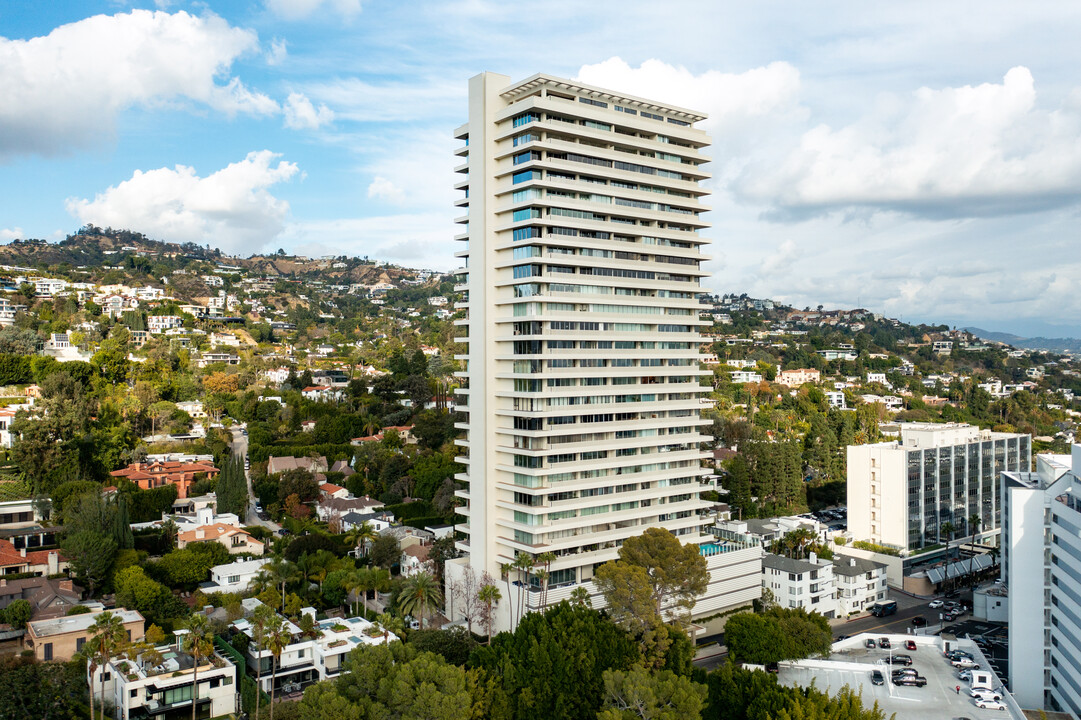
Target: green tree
x,y
90,556
199,643
552,665
276,637
262,619
43,691
676,573
232,488
489,596
18,613
419,593
106,636
638,694
386,551
777,634
397,681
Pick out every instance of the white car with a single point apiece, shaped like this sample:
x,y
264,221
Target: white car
x,y
990,705
965,675
935,604
985,694
965,664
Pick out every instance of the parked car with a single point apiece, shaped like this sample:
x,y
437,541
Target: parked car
x,y
990,705
911,680
870,643
903,672
884,643
910,644
935,604
965,675
965,664
919,621
899,660
949,616
955,654
877,678
985,694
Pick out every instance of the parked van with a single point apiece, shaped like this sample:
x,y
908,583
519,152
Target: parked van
x,y
885,608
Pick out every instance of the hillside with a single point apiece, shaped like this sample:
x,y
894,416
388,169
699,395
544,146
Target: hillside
x,y
1062,345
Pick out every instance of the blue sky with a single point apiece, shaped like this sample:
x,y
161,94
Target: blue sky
x,y
919,159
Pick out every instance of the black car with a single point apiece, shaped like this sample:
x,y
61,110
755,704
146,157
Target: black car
x,y
877,678
884,643
905,660
919,621
913,680
904,672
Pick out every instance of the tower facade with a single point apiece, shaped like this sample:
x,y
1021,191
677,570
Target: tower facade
x,y
581,270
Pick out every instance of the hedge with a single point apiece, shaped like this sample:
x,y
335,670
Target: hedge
x,y
332,451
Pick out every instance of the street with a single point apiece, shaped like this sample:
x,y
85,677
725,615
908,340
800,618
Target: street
x,y
240,449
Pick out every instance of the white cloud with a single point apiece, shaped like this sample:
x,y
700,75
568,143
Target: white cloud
x,y
361,101
383,189
300,114
967,151
9,234
279,50
300,9
231,209
65,89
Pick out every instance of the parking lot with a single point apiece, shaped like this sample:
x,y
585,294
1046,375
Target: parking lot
x,y
852,666
992,639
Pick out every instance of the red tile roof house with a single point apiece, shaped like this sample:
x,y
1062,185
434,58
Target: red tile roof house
x,y
159,474
42,562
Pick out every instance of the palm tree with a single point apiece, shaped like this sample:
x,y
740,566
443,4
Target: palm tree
x,y
489,595
282,572
261,619
542,576
390,624
378,580
974,523
277,638
361,536
580,596
504,573
107,635
524,565
418,593
199,642
947,528
546,559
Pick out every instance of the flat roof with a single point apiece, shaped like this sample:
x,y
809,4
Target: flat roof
x,y
851,664
77,623
535,81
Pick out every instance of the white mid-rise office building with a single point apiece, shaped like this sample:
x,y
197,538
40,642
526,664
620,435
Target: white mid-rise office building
x,y
900,493
582,263
1041,568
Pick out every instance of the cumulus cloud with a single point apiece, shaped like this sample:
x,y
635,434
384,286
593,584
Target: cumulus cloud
x,y
232,208
968,151
9,234
300,9
65,89
300,114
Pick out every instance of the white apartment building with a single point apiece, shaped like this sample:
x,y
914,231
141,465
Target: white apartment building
x,y
582,263
796,378
160,323
1041,569
860,584
901,492
806,584
745,376
162,684
307,660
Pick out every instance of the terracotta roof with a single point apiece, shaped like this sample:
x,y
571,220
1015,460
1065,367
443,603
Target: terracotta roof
x,y
330,488
420,552
215,532
10,556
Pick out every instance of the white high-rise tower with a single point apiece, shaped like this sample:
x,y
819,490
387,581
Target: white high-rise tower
x,y
582,263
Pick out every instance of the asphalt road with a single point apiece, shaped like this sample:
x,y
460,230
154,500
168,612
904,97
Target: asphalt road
x,y
240,449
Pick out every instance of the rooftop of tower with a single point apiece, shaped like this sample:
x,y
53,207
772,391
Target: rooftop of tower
x,y
530,84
